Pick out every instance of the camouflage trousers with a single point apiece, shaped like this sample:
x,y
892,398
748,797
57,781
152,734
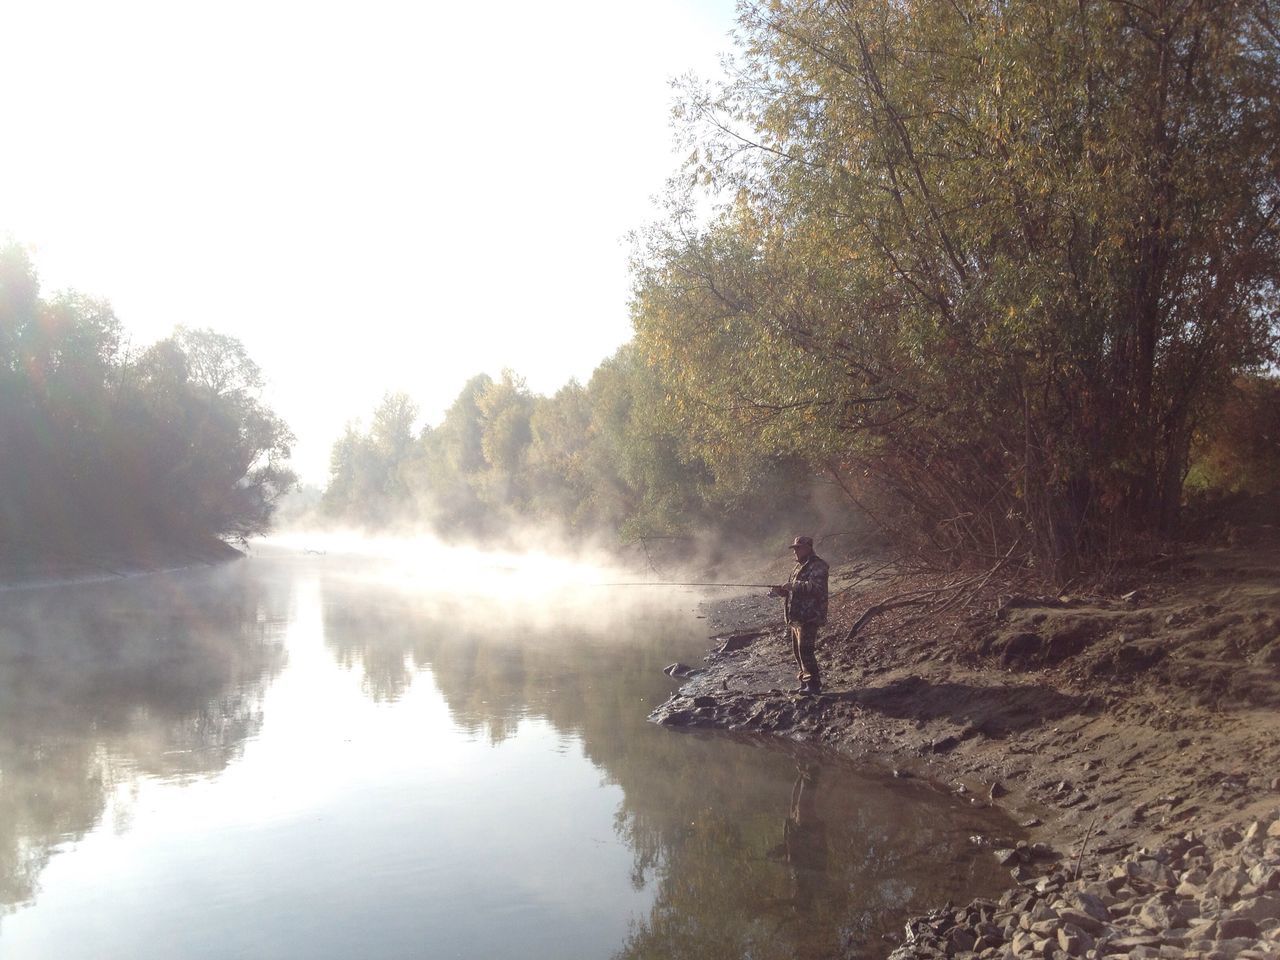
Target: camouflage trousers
x,y
804,637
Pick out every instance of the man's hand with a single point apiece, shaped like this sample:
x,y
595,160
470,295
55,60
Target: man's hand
x,y
781,590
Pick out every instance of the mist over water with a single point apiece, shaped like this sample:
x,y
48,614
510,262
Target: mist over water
x,y
397,749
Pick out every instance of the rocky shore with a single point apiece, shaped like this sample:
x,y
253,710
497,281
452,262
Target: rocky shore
x,y
1134,735
1214,895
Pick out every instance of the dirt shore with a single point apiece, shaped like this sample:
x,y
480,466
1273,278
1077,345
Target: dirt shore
x,y
91,563
1107,725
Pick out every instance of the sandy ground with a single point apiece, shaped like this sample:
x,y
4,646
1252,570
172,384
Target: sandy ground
x,y
1122,720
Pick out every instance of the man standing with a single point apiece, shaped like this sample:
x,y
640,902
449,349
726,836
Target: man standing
x,y
805,606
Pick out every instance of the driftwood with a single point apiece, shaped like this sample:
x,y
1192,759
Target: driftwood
x,y
916,598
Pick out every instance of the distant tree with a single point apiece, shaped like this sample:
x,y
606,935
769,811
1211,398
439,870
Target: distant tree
x,y
560,441
505,409
174,443
1237,448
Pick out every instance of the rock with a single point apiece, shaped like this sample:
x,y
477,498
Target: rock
x,y
1041,912
1188,889
1022,942
1226,837
1197,875
997,791
1225,882
1158,915
1203,930
1258,909
1078,918
1090,903
1228,949
704,701
676,670
960,940
676,718
1265,876
1150,871
1129,944
739,641
944,744
1273,831
1073,941
1238,927
1006,856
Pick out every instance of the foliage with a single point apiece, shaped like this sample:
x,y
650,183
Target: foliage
x,y
101,446
606,458
1237,450
989,261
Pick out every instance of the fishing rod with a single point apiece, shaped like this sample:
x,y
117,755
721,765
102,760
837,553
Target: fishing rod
x,y
668,583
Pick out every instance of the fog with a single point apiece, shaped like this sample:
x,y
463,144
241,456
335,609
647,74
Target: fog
x,y
321,744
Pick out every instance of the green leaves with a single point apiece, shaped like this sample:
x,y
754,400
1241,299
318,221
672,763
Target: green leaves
x,y
996,257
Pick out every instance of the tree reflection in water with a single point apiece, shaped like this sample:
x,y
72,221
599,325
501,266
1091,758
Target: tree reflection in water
x,y
100,684
751,849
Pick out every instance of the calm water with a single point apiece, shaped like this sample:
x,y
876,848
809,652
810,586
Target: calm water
x,y
314,756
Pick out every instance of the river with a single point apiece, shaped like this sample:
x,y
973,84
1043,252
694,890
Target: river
x,y
435,754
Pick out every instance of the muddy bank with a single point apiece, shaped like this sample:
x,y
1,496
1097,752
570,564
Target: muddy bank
x,y
1105,724
21,569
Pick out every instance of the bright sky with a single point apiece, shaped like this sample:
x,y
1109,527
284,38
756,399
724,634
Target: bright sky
x,y
372,196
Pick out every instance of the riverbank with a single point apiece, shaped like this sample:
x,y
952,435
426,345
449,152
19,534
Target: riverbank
x,y
1106,725
90,563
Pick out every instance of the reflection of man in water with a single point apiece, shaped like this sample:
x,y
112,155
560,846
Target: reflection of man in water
x,y
804,837
805,606
804,844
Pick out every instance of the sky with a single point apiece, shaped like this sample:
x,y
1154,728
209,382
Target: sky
x,y
372,197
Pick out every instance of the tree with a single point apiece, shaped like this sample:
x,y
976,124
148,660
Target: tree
x,y
100,447
991,260
214,454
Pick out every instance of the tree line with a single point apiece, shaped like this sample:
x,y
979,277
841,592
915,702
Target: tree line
x,y
599,459
1004,274
999,268
106,447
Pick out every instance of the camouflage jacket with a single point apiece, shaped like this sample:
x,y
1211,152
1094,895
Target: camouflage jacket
x,y
806,601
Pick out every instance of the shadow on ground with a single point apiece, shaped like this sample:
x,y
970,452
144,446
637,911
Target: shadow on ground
x,y
993,711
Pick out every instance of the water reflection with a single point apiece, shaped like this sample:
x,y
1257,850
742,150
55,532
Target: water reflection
x,y
749,850
427,772
804,845
103,683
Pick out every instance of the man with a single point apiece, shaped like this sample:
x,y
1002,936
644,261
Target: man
x,y
805,607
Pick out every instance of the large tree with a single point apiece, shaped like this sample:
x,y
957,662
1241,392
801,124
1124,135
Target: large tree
x,y
100,446
987,262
